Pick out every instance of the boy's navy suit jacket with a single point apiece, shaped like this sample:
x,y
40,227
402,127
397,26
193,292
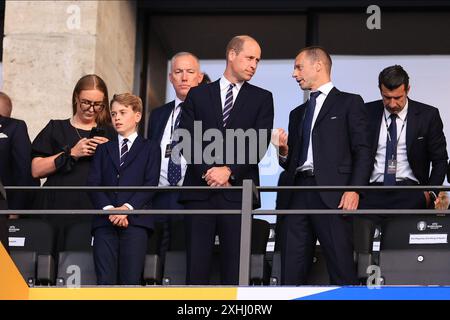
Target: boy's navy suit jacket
x,y
141,168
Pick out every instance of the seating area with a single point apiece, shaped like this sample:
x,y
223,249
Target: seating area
x,y
411,250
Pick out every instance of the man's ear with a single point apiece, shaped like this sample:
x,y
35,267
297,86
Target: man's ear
x,y
407,90
138,117
200,77
232,55
318,65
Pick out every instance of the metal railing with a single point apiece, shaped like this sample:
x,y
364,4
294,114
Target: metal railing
x,y
250,192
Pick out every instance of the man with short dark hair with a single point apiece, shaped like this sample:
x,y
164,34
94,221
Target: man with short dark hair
x,y
406,138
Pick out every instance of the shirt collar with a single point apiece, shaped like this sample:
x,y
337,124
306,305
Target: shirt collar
x,y
130,138
402,114
326,88
225,83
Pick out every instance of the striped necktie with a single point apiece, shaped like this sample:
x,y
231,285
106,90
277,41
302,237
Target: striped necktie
x,y
123,151
228,104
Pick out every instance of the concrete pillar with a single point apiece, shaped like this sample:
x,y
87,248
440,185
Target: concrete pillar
x,y
49,45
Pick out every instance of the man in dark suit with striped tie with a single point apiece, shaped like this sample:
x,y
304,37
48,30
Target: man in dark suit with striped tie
x,y
229,104
184,74
327,145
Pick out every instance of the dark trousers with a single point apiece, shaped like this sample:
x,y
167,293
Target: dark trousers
x,y
364,226
169,201
200,236
119,254
298,239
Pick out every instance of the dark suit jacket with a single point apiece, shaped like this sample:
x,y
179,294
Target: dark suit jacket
x,y
341,150
425,140
253,109
15,160
158,122
141,168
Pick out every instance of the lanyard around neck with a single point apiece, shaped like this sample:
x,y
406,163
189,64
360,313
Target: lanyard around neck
x,y
401,130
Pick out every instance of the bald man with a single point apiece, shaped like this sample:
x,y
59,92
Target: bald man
x,y
327,145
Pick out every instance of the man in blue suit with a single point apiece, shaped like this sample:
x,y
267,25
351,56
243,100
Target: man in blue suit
x,y
228,105
120,240
327,145
15,156
184,74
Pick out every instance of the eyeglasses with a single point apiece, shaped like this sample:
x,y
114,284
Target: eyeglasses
x,y
87,105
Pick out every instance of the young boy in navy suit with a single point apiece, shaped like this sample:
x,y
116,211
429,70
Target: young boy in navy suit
x,y
120,240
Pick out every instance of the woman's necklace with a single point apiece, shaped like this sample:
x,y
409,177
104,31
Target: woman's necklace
x,y
72,120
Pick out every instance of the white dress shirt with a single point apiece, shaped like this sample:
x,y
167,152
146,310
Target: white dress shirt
x,y
130,142
325,90
403,168
224,84
167,139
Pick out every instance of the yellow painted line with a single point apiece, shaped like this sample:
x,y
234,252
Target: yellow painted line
x,y
145,293
12,284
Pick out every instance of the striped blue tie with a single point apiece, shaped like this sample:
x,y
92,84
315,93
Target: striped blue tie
x,y
228,104
123,151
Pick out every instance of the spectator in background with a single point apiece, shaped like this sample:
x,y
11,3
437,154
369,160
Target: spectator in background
x,y
63,150
407,138
15,156
184,74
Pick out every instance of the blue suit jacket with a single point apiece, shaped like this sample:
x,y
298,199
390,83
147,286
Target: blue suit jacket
x,y
252,109
340,144
141,168
156,127
15,160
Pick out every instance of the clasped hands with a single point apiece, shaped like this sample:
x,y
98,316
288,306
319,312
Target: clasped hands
x,y
119,220
218,177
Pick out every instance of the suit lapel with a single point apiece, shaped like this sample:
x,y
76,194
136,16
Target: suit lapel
x,y
377,120
113,150
239,103
133,152
163,121
214,91
412,123
328,103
